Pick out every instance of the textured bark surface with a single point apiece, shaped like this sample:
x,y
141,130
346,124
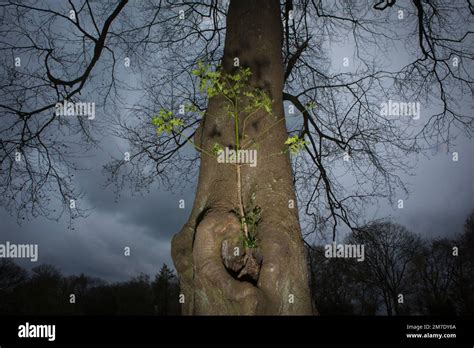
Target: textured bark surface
x,y
277,282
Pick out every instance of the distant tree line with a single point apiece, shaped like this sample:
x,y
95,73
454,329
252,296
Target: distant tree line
x,y
45,291
402,274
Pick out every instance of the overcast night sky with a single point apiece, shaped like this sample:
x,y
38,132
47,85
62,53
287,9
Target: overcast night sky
x,y
441,197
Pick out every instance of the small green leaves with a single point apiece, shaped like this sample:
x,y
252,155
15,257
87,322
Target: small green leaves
x,y
201,69
265,102
310,105
242,74
165,122
250,242
190,107
217,149
259,99
232,86
176,122
210,81
251,219
295,144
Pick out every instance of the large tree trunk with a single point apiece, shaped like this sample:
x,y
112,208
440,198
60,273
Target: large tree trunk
x,y
203,250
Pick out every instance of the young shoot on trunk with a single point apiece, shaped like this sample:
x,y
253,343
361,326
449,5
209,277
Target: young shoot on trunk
x,y
242,102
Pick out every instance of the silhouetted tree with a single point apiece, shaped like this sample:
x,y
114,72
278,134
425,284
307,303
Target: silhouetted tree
x,y
389,258
11,276
134,297
332,279
166,292
101,300
436,269
464,279
79,286
45,291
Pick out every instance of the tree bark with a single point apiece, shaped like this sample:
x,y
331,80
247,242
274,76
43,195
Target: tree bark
x,y
203,250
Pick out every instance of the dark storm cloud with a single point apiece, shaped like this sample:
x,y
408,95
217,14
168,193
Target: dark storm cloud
x,y
95,245
157,212
443,193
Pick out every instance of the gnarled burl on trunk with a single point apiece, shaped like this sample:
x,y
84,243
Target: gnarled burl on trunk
x,y
271,278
